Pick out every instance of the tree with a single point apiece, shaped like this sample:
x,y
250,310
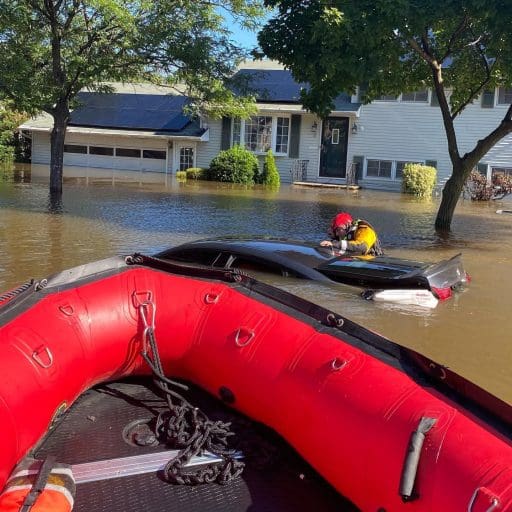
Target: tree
x,y
52,49
458,48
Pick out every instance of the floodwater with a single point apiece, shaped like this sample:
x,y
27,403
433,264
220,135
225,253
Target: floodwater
x,y
121,214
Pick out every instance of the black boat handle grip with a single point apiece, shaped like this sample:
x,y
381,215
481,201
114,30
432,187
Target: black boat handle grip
x,y
412,459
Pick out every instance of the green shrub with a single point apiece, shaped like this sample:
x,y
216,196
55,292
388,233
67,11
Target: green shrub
x,y
6,154
270,175
181,175
419,180
196,173
234,165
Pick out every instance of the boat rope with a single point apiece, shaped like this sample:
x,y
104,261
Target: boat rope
x,y
12,293
183,426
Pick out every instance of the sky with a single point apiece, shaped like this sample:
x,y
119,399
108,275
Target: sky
x,y
244,38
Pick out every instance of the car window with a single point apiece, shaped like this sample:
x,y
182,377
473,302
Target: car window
x,y
194,255
255,265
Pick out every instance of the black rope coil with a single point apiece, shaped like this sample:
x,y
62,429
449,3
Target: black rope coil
x,y
186,428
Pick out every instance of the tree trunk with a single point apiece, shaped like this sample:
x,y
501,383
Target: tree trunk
x,y
60,123
451,194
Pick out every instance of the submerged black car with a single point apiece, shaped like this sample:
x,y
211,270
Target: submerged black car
x,y
310,261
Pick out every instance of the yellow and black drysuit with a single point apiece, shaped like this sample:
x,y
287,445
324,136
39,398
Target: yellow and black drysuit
x,y
360,239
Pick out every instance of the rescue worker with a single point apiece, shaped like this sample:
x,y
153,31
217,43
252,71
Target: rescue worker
x,y
352,236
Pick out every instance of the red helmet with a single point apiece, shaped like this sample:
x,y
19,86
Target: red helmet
x,y
341,220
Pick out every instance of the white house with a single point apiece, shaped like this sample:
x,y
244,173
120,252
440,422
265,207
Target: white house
x,y
144,129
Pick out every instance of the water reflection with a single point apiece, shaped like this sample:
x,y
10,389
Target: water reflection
x,y
106,214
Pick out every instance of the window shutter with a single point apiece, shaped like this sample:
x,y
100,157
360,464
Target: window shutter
x,y
362,91
431,163
295,136
482,169
434,102
359,162
488,98
225,139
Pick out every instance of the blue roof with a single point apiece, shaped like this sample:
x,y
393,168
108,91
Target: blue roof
x,y
279,86
161,113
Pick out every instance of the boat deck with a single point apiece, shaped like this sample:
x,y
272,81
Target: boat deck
x,y
276,479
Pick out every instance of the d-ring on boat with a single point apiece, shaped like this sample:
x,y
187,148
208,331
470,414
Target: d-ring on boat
x,y
386,427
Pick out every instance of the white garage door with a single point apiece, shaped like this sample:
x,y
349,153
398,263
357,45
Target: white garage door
x,y
121,158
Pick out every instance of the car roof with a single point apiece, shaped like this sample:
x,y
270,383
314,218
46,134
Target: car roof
x,y
308,259
302,257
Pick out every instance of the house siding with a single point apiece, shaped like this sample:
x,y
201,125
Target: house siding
x,y
400,131
394,131
40,148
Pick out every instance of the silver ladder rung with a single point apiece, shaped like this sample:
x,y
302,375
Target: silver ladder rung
x,y
136,465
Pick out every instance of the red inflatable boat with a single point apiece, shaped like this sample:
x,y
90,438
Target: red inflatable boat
x,y
386,427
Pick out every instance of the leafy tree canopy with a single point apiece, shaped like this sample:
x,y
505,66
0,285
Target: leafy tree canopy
x,y
52,49
460,48
393,46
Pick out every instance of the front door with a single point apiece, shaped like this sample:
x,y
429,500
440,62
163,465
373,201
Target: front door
x,y
333,153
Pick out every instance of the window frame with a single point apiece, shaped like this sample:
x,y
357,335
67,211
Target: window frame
x,y
181,161
394,166
101,150
117,149
507,92
415,96
81,146
239,133
146,151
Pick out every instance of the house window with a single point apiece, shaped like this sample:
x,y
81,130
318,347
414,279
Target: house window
x,y
504,96
101,150
261,133
387,97
75,148
237,127
507,171
186,158
128,152
379,168
258,134
154,154
417,96
399,170
282,135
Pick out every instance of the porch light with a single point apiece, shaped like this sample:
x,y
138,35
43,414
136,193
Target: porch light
x,y
354,128
314,127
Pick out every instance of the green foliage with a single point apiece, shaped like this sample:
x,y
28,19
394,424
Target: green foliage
x,y
419,180
196,173
181,175
6,154
458,49
12,145
53,49
234,165
270,175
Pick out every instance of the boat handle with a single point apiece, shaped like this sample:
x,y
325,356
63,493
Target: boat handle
x,y
494,502
36,357
243,337
412,459
337,364
211,298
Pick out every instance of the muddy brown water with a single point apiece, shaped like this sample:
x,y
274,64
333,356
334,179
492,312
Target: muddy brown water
x,y
121,214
